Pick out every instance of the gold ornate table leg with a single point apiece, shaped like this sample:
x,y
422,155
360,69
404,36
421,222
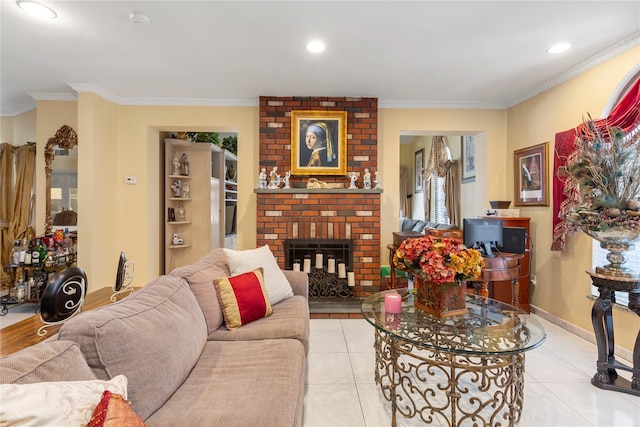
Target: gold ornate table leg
x,y
461,389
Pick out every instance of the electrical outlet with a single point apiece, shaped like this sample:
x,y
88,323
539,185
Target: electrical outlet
x,y
131,180
532,279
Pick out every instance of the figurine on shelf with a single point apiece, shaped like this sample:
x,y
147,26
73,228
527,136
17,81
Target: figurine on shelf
x,y
274,178
177,240
377,181
177,188
354,178
367,179
262,178
181,215
287,176
186,191
176,165
184,165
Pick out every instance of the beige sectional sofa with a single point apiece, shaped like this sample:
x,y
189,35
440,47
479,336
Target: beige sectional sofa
x,y
183,367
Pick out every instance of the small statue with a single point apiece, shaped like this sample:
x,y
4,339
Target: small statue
x,y
176,165
316,183
287,176
184,165
176,187
177,240
186,191
354,178
274,178
367,179
262,178
181,215
377,180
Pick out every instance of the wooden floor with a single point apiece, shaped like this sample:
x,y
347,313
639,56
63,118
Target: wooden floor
x,y
25,333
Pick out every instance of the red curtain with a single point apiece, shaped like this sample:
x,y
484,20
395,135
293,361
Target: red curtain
x,y
626,116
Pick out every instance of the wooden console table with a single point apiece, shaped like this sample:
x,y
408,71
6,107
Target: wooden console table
x,y
25,333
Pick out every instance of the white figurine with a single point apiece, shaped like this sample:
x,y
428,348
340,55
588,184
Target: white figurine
x,y
274,178
176,165
186,191
262,178
177,240
367,179
354,178
377,181
181,214
176,187
287,176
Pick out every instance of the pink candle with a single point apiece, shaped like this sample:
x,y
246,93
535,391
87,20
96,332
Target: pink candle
x,y
392,302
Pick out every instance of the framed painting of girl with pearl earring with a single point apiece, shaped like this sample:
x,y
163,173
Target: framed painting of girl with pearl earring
x,y
318,142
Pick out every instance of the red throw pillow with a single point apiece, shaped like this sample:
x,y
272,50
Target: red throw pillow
x,y
243,298
114,411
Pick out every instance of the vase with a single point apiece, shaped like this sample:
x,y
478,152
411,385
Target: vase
x,y
616,240
442,300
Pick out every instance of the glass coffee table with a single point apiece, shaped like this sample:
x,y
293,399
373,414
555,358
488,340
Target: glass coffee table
x,y
466,369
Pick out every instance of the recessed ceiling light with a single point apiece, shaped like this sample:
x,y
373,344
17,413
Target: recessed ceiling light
x,y
560,47
315,46
36,9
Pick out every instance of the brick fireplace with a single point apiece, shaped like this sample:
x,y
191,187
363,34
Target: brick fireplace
x,y
336,213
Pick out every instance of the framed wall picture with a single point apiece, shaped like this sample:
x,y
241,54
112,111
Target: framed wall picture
x,y
530,175
318,142
468,158
419,159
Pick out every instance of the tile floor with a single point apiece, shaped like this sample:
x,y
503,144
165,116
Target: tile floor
x,y
341,390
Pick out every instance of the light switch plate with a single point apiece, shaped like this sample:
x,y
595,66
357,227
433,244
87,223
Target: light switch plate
x,y
131,180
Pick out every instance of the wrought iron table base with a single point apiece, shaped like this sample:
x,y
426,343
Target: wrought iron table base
x,y
431,384
606,376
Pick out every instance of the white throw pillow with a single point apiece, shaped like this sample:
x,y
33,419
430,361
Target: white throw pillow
x,y
276,283
69,403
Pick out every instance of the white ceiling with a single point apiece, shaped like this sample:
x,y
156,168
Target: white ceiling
x,y
446,54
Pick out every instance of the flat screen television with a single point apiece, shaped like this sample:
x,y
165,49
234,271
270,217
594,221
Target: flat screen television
x,y
482,234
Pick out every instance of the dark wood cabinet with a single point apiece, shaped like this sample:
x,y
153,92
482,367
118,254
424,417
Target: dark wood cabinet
x,y
501,290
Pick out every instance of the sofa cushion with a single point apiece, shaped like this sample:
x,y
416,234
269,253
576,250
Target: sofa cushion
x,y
240,383
419,226
44,362
200,276
278,287
66,403
154,337
290,319
243,298
408,224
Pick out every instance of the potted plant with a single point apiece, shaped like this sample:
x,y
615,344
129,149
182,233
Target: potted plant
x,y
604,187
440,268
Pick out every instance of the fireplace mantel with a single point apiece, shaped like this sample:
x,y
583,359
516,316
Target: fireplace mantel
x,y
317,191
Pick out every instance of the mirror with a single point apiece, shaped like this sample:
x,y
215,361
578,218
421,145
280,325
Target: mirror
x,y
64,177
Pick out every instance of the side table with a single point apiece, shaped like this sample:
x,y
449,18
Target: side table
x,y
606,376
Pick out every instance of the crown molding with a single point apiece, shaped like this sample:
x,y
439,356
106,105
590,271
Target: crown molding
x,y
443,105
10,112
53,96
98,90
599,58
250,102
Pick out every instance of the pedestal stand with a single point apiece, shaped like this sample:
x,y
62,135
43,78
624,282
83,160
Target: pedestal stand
x,y
606,376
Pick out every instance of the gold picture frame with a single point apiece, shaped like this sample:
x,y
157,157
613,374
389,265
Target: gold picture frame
x,y
326,151
530,173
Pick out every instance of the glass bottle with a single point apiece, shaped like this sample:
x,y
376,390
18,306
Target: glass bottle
x,y
23,250
28,254
35,253
15,253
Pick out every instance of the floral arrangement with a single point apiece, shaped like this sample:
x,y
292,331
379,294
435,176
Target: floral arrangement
x,y
438,260
604,171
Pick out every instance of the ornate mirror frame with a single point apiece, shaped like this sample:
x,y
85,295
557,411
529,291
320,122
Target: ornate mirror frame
x,y
65,138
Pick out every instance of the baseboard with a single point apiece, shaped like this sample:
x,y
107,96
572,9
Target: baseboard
x,y
587,335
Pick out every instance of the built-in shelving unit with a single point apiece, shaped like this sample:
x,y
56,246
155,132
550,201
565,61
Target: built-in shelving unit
x,y
210,208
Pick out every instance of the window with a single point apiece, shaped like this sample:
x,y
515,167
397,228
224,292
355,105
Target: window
x,y
439,209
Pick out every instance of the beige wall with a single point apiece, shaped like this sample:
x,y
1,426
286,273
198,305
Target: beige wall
x,y
117,141
562,284
19,129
